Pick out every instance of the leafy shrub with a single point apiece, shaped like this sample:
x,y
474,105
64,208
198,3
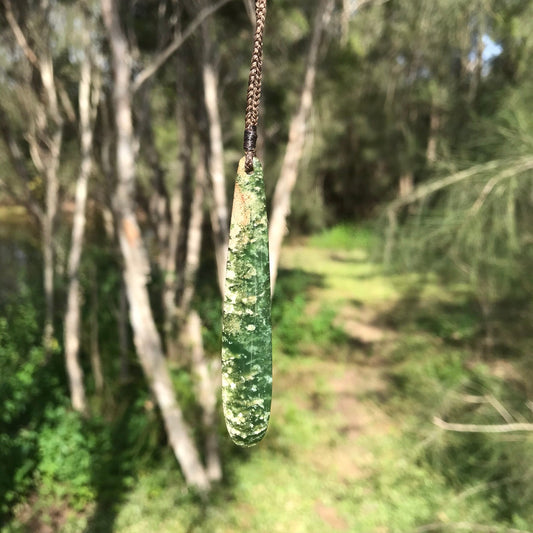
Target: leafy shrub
x,y
25,382
65,466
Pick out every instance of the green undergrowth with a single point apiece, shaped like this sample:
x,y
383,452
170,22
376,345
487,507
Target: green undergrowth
x,y
351,445
345,237
295,326
399,472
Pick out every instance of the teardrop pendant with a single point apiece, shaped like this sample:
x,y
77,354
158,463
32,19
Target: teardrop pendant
x,y
246,317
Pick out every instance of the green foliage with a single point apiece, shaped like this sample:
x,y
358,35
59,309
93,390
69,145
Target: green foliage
x,y
427,371
209,306
476,231
435,373
65,458
345,237
26,384
295,326
474,224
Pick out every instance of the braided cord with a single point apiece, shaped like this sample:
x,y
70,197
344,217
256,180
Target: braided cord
x,y
254,86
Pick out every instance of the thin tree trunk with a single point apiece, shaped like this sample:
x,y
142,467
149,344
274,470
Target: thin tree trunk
x,y
219,213
390,236
48,264
96,360
218,208
106,149
476,65
160,215
406,184
294,151
87,108
180,209
136,267
207,384
434,126
345,21
50,160
123,337
48,164
194,241
205,392
46,159
183,192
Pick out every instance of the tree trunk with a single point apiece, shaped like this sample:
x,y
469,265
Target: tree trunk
x,y
406,184
194,241
48,265
207,398
476,65
207,385
434,126
45,156
136,267
96,360
123,337
219,213
48,159
345,21
72,315
160,215
281,204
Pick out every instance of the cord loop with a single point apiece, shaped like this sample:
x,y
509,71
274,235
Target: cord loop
x,y
254,86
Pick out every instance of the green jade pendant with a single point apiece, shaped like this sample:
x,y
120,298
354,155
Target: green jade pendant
x,y
246,322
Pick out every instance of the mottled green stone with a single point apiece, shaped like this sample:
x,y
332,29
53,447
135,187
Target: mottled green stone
x,y
246,322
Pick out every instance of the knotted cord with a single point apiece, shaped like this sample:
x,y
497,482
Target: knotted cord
x,y
254,87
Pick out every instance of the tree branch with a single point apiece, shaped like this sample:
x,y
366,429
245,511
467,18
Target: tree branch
x,y
505,414
66,103
511,168
482,428
162,57
19,166
19,34
482,528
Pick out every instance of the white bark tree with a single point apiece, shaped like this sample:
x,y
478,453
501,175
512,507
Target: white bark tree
x,y
206,372
136,267
281,203
219,212
88,98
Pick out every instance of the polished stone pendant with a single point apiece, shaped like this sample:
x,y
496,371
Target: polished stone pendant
x,y
246,321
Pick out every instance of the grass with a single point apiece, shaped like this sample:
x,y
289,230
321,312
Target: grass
x,y
345,237
351,446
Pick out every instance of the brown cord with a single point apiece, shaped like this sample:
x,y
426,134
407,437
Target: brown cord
x,y
254,86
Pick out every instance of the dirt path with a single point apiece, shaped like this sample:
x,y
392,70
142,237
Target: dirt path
x,y
344,389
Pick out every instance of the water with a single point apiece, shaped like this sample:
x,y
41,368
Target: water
x,y
20,259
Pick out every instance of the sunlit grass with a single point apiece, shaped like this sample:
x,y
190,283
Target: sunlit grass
x,y
345,237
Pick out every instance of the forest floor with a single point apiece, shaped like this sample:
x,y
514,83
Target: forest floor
x,y
326,415
362,361
350,434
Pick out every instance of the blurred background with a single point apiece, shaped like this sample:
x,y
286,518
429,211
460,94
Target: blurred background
x,y
397,143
